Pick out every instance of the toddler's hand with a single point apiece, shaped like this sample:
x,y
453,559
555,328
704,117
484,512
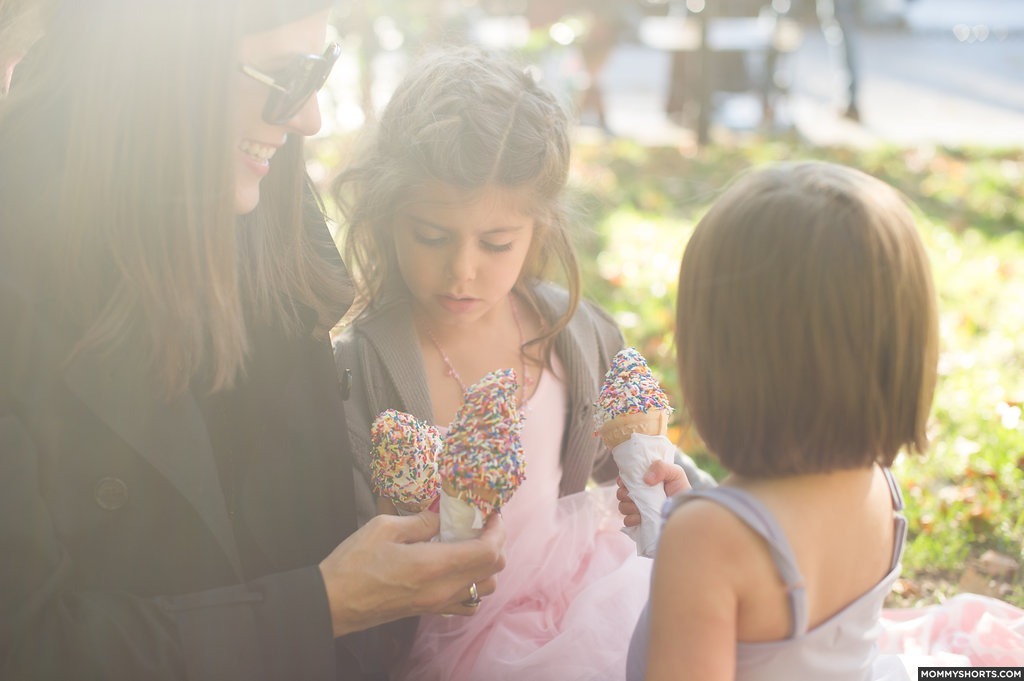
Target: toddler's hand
x,y
670,475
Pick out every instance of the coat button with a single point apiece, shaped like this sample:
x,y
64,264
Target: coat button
x,y
346,384
111,494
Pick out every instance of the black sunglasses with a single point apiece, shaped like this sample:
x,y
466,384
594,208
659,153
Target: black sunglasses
x,y
290,90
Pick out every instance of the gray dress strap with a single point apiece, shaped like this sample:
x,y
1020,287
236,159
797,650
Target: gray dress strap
x,y
758,518
752,512
899,520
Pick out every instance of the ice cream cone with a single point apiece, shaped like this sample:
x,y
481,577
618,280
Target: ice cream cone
x,y
617,430
403,463
482,460
630,400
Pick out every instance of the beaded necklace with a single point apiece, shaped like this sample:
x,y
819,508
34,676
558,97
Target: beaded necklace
x,y
527,382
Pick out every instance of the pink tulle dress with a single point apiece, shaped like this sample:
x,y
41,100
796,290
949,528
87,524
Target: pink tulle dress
x,y
571,591
968,630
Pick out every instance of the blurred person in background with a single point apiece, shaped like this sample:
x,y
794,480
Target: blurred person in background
x,y
601,24
838,19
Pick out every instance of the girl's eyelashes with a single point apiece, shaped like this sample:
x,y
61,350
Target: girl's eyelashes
x,y
439,241
433,241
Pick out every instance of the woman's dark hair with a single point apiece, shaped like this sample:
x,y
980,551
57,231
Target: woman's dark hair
x,y
125,113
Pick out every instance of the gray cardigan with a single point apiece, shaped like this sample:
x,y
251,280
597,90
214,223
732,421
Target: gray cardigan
x,y
379,361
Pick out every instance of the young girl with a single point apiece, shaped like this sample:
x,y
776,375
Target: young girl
x,y
807,340
454,217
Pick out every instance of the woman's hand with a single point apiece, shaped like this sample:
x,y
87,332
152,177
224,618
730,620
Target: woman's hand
x,y
389,569
670,475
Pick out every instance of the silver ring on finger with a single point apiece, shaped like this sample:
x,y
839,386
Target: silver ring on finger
x,y
474,597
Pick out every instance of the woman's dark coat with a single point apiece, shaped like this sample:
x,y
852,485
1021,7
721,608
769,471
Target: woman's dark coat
x,y
143,539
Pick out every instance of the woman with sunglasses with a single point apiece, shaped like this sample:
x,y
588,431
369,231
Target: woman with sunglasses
x,y
175,481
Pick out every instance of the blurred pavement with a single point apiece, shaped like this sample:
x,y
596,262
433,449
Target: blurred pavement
x,y
952,74
948,72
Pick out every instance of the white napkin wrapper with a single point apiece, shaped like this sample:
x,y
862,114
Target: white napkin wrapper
x,y
459,519
634,457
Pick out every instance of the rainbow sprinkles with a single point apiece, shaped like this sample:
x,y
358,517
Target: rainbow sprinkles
x,y
403,464
629,388
482,461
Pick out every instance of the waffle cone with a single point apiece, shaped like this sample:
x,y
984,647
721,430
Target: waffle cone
x,y
390,506
493,497
447,488
617,430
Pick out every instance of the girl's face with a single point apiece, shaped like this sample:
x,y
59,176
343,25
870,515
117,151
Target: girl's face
x,y
271,52
460,253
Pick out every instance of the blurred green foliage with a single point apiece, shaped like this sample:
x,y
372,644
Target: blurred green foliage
x,y
638,206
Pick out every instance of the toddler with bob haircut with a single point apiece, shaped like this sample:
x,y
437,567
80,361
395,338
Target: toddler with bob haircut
x,y
807,337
